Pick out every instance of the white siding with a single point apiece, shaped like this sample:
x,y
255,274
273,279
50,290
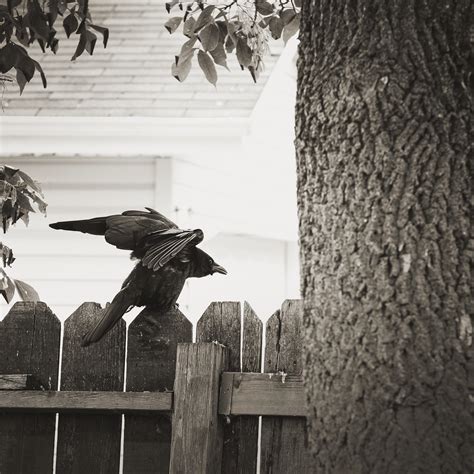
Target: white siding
x,y
67,268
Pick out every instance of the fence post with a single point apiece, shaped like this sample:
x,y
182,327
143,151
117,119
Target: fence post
x,y
151,361
197,433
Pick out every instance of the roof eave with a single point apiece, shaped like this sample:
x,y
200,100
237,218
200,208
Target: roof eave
x,y
116,135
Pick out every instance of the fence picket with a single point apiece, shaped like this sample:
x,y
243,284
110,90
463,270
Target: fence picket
x,y
29,343
151,361
221,322
197,439
90,443
283,442
251,362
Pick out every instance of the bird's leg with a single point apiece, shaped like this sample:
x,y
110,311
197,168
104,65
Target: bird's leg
x,y
176,306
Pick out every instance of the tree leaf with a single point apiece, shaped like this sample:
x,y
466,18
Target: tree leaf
x,y
287,15
23,202
40,70
291,28
7,287
70,24
188,27
207,65
103,31
26,292
172,24
276,27
187,47
91,40
7,255
81,45
30,181
204,18
170,5
7,57
21,80
244,53
182,66
209,37
263,7
219,56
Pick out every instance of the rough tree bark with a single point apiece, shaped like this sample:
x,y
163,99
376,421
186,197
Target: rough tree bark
x,y
384,148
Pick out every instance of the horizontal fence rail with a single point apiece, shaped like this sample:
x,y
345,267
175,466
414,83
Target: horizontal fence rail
x,y
240,394
189,407
261,394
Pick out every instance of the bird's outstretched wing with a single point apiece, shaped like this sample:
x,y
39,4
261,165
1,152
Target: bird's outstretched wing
x,y
152,237
126,231
166,245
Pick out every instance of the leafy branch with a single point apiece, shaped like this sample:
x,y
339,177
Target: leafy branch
x,y
24,22
242,27
212,31
19,195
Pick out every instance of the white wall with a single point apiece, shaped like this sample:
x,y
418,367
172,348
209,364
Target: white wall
x,y
69,268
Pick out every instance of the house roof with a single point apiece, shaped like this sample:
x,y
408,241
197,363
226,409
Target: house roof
x,y
132,76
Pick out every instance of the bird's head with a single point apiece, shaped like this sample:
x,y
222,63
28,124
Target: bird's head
x,y
203,264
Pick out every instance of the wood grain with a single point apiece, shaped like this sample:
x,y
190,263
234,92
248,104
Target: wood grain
x,y
151,362
283,442
19,382
197,438
262,394
108,403
90,443
221,322
29,343
251,362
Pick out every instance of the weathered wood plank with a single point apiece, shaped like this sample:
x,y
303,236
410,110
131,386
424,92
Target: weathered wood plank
x,y
284,441
262,394
19,382
29,343
107,403
251,362
197,439
221,322
151,362
90,443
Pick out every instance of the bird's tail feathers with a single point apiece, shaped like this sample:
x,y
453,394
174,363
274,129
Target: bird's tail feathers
x,y
96,226
110,317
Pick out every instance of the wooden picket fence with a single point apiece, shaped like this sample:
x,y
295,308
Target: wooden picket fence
x,y
189,407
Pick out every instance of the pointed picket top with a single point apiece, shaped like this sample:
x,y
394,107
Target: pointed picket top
x,y
244,456
284,339
29,343
221,322
90,443
153,338
103,361
252,340
283,440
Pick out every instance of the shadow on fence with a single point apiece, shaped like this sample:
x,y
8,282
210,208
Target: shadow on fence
x,y
189,408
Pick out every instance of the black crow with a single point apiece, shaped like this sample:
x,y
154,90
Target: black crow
x,y
167,256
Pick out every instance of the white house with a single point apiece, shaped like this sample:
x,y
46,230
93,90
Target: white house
x,y
115,131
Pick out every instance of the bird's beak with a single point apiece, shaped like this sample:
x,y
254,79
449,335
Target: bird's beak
x,y
218,269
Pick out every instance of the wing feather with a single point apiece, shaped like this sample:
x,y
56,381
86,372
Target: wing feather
x,y
168,246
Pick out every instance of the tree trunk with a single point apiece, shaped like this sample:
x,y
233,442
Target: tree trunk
x,y
383,138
